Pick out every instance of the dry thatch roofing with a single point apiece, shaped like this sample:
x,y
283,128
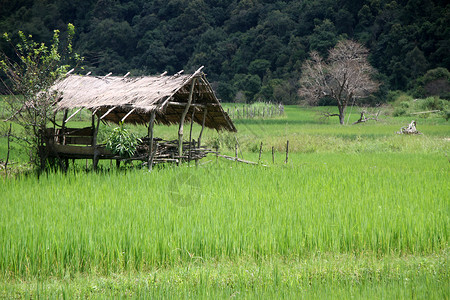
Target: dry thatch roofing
x,y
138,97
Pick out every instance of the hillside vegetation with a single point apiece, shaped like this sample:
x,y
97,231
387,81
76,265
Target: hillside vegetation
x,y
253,46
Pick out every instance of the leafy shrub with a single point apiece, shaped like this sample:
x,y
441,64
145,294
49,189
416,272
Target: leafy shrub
x,y
122,142
404,104
399,111
447,114
433,103
403,97
393,95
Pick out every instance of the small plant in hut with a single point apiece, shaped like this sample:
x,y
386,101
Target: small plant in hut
x,y
122,142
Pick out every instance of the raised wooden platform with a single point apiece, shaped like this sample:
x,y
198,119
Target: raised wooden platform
x,y
79,152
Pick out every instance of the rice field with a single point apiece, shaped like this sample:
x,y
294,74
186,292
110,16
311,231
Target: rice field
x,y
363,213
375,207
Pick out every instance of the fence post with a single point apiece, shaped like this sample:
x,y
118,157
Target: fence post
x,y
260,150
287,152
273,156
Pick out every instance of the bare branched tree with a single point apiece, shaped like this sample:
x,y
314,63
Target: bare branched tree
x,y
31,74
345,76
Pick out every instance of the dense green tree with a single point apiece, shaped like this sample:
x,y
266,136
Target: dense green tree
x,y
259,67
324,37
248,84
416,62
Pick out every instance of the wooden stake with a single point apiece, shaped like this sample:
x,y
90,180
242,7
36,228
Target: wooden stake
x,y
273,155
183,116
235,151
260,150
287,152
150,135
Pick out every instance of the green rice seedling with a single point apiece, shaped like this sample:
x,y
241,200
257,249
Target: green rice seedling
x,y
114,222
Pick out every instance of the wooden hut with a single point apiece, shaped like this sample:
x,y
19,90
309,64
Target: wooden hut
x,y
163,99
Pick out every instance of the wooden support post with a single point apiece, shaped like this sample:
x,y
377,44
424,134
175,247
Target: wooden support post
x,y
287,152
54,129
183,116
236,152
150,135
190,136
93,129
61,138
94,143
205,112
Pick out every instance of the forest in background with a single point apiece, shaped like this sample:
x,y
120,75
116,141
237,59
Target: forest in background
x,y
251,49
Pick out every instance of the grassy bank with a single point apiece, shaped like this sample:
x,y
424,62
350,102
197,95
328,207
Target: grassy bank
x,y
325,276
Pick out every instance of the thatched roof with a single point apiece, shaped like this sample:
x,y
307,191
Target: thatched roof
x,y
167,95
